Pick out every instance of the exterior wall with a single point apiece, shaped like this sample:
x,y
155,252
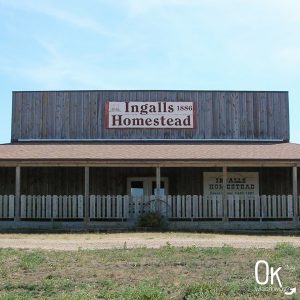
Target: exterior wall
x,y
219,115
113,181
186,181
52,181
7,181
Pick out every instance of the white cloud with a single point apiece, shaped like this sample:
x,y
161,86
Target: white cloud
x,y
43,7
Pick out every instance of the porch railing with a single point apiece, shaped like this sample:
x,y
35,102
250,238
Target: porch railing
x,y
7,206
52,207
109,207
120,207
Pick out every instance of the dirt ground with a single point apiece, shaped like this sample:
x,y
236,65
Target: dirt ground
x,y
134,240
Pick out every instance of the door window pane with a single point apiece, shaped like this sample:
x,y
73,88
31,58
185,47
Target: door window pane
x,y
137,188
162,188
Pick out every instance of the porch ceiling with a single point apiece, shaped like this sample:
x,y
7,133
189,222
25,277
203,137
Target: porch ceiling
x,y
208,152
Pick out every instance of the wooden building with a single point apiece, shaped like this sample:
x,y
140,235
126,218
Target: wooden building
x,y
100,159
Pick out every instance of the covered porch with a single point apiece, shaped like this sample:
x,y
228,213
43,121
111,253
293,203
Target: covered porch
x,y
69,188
115,197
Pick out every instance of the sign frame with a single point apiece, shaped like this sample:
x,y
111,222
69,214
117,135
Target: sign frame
x,y
155,115
233,178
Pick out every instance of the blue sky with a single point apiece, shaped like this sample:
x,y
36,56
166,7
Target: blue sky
x,y
149,44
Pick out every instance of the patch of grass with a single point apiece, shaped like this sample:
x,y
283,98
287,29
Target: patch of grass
x,y
30,260
297,273
287,249
223,251
166,273
143,291
217,290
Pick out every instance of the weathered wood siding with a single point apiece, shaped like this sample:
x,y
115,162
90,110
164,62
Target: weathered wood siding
x,y
7,181
81,115
52,181
113,181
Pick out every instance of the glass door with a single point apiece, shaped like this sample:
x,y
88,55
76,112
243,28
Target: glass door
x,y
137,188
140,190
146,186
154,190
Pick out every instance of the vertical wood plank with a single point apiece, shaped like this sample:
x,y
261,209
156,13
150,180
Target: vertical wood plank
x,y
219,207
248,207
290,206
5,206
188,200
80,207
274,206
126,207
74,206
86,193
17,193
48,204
92,207
178,206
284,206
55,207
224,195
38,206
230,206
119,207
195,205
2,216
205,201
23,206
295,192
108,206
11,213
64,207
264,211
29,206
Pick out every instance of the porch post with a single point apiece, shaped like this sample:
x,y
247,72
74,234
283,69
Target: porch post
x,y
295,192
17,193
224,195
86,194
157,194
158,181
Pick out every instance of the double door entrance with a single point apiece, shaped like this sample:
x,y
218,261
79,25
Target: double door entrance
x,y
146,186
140,189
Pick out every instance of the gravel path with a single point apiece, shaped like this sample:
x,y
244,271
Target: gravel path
x,y
134,240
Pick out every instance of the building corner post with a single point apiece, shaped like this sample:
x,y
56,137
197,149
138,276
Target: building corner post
x,y
224,195
17,193
86,194
295,193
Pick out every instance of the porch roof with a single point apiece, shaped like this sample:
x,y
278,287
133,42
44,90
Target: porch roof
x,y
150,152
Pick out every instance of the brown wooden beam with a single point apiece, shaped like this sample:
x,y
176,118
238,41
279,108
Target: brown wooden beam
x,y
150,164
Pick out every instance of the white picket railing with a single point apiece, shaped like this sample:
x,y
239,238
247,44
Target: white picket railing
x,y
195,207
51,207
106,207
264,207
7,206
177,207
